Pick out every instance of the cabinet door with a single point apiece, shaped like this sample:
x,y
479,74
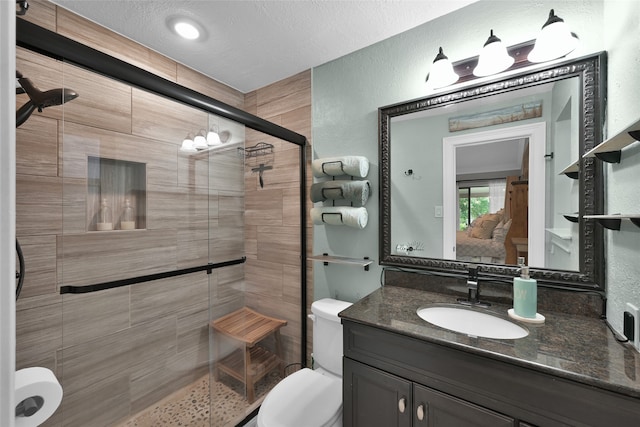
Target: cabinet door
x,y
435,409
373,398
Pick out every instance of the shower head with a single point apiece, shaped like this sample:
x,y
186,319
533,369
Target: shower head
x,y
23,6
39,99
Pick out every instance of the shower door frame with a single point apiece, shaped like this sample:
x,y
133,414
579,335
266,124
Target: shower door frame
x,y
33,37
7,215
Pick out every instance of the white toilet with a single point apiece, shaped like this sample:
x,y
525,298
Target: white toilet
x,y
312,398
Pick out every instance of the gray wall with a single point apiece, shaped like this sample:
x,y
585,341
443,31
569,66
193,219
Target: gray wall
x,y
348,91
622,42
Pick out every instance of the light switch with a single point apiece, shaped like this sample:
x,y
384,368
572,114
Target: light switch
x,y
438,212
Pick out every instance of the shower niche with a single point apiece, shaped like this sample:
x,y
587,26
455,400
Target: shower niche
x,y
116,196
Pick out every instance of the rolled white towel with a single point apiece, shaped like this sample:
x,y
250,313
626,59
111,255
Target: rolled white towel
x,y
357,166
354,191
340,215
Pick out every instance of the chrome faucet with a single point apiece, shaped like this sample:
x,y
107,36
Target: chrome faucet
x,y
473,288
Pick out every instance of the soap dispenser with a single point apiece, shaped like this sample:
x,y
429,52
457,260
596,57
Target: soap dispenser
x,y
525,296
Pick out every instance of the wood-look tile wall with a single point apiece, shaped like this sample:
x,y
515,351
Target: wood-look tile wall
x,y
272,218
118,351
131,345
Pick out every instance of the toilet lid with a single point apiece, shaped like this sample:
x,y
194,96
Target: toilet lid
x,y
306,398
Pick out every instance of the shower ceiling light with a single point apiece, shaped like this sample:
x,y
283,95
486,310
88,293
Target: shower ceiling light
x,y
493,58
186,30
186,27
555,40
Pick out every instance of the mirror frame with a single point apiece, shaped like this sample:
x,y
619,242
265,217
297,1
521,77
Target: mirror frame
x,y
591,73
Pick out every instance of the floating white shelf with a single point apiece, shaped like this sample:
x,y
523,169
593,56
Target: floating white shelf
x,y
612,222
561,233
561,238
572,171
327,259
609,150
573,217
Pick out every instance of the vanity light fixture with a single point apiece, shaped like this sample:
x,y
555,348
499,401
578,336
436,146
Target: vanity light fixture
x,y
187,145
200,142
493,58
555,40
213,138
441,73
225,136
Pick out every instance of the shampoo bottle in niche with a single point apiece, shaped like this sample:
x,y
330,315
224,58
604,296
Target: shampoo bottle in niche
x,y
525,293
128,221
104,217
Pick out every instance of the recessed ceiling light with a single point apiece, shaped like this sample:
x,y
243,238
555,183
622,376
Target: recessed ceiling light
x,y
186,30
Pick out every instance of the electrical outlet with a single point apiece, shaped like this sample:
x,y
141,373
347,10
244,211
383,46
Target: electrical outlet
x,y
633,310
628,326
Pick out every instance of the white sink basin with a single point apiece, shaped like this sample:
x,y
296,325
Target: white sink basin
x,y
472,322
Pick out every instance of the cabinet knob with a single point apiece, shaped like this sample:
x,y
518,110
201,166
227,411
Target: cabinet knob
x,y
402,404
420,412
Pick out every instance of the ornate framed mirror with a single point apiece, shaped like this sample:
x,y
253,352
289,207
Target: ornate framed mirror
x,y
510,151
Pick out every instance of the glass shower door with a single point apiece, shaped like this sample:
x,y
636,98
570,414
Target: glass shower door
x,y
136,211
126,230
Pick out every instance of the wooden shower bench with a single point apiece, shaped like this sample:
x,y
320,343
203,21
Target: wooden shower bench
x,y
249,328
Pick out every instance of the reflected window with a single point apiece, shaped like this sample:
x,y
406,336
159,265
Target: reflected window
x,y
478,198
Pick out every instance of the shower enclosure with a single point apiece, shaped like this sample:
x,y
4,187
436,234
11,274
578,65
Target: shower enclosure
x,y
137,236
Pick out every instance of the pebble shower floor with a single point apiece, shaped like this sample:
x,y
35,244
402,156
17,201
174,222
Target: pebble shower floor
x,y
190,406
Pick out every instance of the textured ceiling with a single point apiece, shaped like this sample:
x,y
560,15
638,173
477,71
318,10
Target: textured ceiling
x,y
250,44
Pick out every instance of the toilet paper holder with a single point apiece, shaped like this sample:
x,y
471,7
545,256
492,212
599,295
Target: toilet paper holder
x,y
29,406
38,394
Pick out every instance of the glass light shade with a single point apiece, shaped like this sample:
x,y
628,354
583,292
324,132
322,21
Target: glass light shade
x,y
225,136
441,73
213,138
555,41
200,142
187,146
493,59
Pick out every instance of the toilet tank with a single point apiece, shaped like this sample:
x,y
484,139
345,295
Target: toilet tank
x,y
327,334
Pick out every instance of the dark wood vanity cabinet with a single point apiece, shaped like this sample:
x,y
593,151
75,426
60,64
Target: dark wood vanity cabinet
x,y
379,399
375,398
435,409
394,380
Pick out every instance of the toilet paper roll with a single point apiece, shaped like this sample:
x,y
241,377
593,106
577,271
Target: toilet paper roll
x,y
39,393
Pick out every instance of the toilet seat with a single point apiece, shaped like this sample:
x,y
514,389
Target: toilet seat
x,y
306,398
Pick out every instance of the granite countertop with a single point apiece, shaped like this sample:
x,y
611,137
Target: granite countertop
x,y
574,347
